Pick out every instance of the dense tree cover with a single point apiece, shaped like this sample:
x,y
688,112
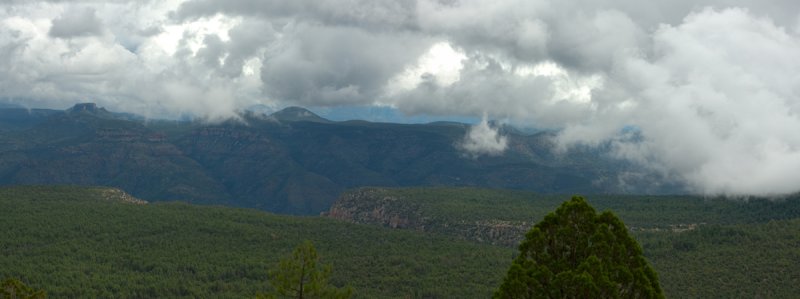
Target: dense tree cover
x,y
455,205
74,244
754,260
14,289
576,253
501,217
700,247
302,275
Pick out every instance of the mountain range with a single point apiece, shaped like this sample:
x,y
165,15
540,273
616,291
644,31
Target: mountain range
x,y
292,161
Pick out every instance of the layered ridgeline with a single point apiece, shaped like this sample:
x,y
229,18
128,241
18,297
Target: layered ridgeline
x,y
292,161
701,248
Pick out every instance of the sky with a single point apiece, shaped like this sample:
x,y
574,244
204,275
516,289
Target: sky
x,y
702,92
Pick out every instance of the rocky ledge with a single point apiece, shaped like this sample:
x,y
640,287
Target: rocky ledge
x,y
377,206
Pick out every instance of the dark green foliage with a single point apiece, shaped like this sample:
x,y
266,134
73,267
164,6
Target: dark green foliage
x,y
73,243
576,253
302,275
502,217
14,289
638,211
701,248
752,260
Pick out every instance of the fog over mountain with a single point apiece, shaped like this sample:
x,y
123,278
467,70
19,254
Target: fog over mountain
x,y
706,93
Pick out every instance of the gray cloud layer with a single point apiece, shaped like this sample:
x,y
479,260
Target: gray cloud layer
x,y
711,89
76,22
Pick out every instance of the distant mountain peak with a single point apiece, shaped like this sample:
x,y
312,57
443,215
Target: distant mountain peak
x,y
297,114
92,109
87,107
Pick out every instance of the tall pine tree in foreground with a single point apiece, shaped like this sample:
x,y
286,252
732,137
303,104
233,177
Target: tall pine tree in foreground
x,y
303,276
576,253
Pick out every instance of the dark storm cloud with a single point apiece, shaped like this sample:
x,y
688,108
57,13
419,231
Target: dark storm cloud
x,y
367,14
245,41
77,22
319,65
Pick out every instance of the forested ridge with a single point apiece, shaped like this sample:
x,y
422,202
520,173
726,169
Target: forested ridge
x,y
289,162
700,247
81,242
73,242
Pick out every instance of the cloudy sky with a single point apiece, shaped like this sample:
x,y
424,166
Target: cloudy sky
x,y
711,88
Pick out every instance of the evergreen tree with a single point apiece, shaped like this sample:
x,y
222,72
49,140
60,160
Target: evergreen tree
x,y
303,276
14,289
576,253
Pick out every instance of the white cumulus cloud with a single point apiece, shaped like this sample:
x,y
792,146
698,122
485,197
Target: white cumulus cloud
x,y
483,139
709,88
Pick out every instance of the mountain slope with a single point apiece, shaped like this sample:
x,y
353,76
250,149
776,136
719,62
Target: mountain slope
x,y
294,114
290,162
84,148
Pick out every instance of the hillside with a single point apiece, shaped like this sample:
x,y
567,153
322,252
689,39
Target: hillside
x,y
100,242
95,242
501,217
701,248
291,162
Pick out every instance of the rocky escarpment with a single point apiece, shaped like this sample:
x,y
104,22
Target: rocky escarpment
x,y
374,206
378,206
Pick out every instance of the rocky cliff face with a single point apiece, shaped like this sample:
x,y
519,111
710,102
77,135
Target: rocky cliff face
x,y
378,206
372,206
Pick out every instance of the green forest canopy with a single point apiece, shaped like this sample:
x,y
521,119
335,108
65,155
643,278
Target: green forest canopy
x,y
576,253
